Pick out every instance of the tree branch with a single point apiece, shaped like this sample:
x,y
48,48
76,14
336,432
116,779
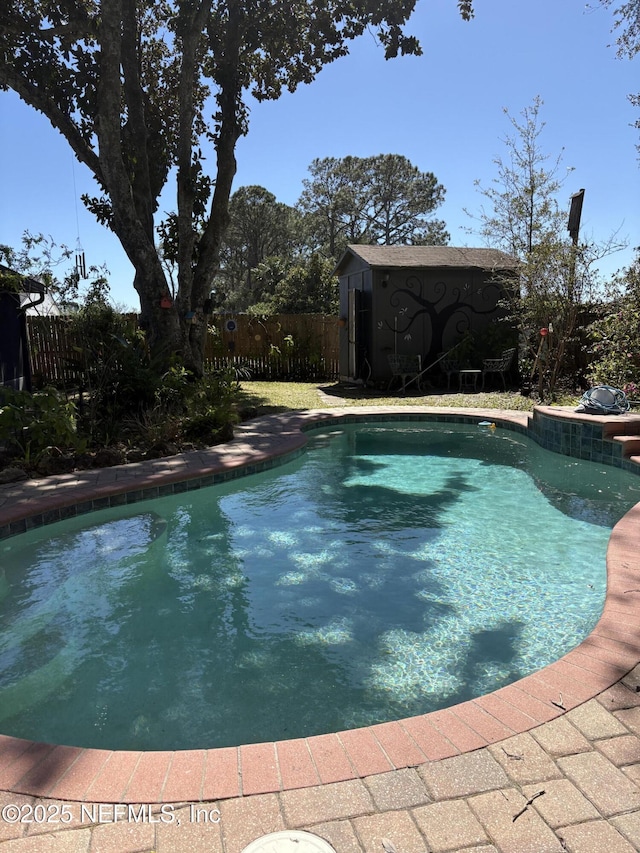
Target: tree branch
x,y
136,240
190,37
230,129
136,123
41,101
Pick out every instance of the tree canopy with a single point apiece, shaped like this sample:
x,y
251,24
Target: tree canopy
x,y
270,250
260,227
523,211
142,89
383,199
526,218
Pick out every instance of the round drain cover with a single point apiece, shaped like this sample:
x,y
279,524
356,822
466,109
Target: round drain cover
x,y
289,841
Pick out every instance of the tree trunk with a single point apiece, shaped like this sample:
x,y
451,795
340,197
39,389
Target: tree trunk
x,y
160,324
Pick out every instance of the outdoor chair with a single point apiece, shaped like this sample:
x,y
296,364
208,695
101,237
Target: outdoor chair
x,y
449,366
499,365
405,367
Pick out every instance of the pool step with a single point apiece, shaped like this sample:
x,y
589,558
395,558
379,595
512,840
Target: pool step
x,y
625,431
630,444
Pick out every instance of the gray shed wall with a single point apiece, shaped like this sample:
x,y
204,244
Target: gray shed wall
x,y
415,311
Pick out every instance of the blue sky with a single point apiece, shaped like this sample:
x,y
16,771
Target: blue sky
x,y
444,111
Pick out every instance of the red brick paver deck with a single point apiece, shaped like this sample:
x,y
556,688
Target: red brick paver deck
x,y
550,763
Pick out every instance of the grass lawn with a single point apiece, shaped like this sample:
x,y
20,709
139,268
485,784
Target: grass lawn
x,y
269,397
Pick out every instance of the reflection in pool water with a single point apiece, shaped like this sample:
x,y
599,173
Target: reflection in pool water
x,y
391,570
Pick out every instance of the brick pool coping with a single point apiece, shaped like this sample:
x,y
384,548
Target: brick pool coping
x,y
94,775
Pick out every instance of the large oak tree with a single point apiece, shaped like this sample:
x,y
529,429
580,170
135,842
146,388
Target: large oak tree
x,y
141,88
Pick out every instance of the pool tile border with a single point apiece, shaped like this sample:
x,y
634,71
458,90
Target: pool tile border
x,y
600,661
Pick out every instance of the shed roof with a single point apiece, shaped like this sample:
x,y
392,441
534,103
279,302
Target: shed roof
x,y
428,256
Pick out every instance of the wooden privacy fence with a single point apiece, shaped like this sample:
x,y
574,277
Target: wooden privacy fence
x,y
283,346
53,352
55,349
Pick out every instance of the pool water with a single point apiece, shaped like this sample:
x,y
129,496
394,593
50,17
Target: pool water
x,y
389,571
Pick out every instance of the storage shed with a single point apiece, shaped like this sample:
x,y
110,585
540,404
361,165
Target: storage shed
x,y
415,300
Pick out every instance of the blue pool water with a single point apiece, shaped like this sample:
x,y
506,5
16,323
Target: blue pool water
x,y
389,571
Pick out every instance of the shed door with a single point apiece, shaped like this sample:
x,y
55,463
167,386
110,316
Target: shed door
x,y
353,329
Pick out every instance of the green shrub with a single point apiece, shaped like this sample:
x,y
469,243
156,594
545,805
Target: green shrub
x,y
212,406
615,337
31,424
202,410
119,381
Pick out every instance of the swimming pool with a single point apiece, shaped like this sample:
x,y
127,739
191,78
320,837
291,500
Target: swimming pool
x,y
361,582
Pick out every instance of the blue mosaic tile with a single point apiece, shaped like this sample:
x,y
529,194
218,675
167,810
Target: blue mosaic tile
x,y
203,482
118,500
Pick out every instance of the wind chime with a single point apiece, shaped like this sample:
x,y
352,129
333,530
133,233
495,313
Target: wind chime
x,y
81,265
